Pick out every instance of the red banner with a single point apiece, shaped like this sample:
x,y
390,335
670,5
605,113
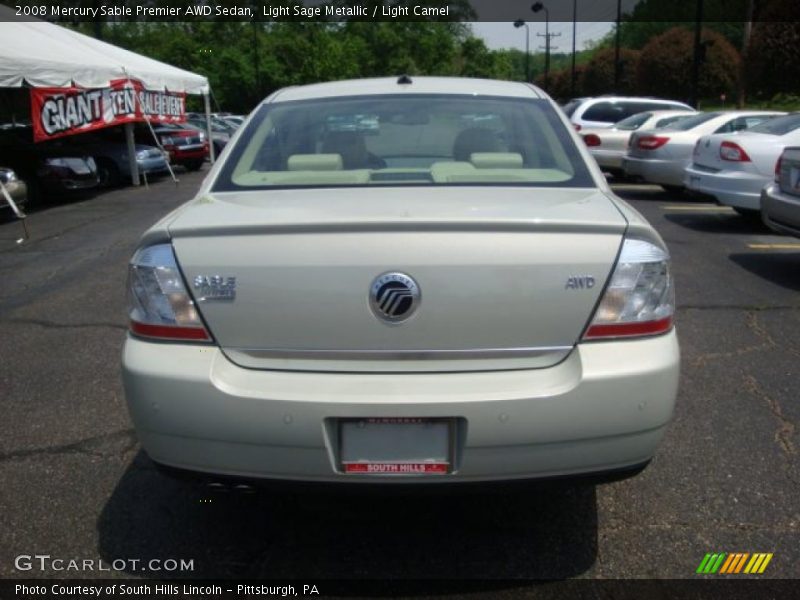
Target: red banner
x,y
57,112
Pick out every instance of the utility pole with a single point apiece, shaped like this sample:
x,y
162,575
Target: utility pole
x,y
616,49
517,24
574,28
698,28
548,47
748,30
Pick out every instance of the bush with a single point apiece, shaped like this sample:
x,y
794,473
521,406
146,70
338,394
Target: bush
x,y
665,65
598,76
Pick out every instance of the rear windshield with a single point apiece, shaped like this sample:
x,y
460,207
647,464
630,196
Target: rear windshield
x,y
692,122
634,122
404,140
778,125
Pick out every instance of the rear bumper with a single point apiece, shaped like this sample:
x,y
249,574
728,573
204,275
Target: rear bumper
x,y
731,188
18,192
152,165
780,211
608,159
605,407
662,172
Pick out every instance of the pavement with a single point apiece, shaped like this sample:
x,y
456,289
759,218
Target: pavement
x,y
75,484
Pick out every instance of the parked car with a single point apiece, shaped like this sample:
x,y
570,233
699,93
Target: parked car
x,y
14,186
110,151
52,167
220,136
608,145
234,121
661,156
604,111
433,301
186,147
780,200
735,168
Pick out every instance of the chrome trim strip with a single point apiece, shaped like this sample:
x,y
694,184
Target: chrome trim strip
x,y
467,354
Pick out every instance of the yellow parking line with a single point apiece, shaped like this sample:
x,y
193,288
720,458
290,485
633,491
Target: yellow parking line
x,y
774,246
700,207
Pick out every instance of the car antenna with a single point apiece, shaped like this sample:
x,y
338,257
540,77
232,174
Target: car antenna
x,y
404,80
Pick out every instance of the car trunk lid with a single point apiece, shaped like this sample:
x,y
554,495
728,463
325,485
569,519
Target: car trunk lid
x,y
508,277
789,174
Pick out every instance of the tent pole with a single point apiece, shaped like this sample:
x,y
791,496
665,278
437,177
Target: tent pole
x,y
207,102
132,164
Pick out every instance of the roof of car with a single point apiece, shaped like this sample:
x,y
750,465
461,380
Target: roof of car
x,y
418,85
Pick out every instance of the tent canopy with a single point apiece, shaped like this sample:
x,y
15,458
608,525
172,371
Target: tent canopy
x,y
42,54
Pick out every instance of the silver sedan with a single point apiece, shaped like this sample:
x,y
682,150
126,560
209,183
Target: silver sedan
x,y
402,280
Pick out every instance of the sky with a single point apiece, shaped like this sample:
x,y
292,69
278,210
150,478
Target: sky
x,y
504,35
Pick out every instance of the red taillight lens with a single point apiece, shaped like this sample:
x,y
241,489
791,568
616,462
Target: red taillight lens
x,y
577,127
778,168
639,299
651,142
160,306
592,139
733,152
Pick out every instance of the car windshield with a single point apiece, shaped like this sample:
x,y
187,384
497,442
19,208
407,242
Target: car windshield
x,y
692,122
411,139
778,125
633,122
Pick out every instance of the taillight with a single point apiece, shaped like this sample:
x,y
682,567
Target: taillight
x,y
159,304
733,152
577,127
639,299
592,139
651,142
778,169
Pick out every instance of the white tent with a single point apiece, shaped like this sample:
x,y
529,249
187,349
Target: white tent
x,y
42,54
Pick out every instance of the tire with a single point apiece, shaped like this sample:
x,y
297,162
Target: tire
x,y
673,189
108,173
748,213
194,165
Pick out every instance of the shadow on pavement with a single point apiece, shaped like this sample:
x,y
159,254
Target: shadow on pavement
x,y
718,222
531,532
782,269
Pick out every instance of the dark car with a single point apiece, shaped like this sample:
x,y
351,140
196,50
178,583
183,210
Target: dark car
x,y
15,188
53,168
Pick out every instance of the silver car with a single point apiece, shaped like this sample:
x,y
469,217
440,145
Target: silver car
x,y
454,295
780,201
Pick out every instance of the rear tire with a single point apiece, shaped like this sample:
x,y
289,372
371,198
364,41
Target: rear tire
x,y
673,189
748,213
107,172
194,165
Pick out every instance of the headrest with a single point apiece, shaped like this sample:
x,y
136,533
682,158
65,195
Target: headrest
x,y
315,162
496,160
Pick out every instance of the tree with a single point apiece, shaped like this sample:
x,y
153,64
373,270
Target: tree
x,y
598,75
773,57
665,65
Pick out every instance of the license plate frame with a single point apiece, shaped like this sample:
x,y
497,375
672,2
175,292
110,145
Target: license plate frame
x,y
422,446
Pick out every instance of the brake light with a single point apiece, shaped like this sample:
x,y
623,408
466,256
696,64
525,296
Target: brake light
x,y
592,139
639,299
577,127
651,142
160,307
733,152
778,168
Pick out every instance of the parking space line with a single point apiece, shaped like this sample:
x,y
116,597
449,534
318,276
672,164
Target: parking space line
x,y
697,207
774,246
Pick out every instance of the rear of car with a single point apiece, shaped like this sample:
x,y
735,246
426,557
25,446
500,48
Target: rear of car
x,y
604,111
15,187
661,156
402,282
186,147
608,146
780,200
735,168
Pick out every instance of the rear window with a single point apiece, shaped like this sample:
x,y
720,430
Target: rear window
x,y
778,125
404,140
692,122
667,120
634,122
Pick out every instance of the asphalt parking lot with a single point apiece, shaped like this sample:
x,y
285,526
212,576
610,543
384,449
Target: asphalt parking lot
x,y
74,483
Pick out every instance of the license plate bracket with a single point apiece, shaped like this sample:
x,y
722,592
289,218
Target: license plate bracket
x,y
396,446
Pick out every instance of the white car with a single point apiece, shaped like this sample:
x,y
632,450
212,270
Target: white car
x,y
604,111
780,200
608,145
452,294
661,156
735,168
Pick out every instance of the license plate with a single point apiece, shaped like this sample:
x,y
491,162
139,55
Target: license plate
x,y
396,446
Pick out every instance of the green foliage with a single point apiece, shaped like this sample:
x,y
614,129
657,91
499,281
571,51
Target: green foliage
x,y
665,65
772,64
598,76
